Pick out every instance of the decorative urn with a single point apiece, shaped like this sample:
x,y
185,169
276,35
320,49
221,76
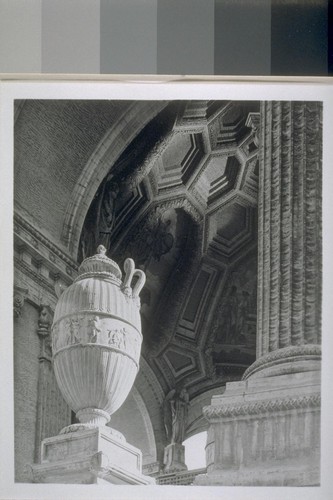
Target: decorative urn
x,y
96,338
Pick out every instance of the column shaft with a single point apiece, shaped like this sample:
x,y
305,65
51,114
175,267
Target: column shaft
x,y
289,260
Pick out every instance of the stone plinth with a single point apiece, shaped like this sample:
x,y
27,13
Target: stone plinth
x,y
174,458
89,456
265,431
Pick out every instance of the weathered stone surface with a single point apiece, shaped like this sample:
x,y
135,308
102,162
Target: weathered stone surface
x,y
265,430
265,434
88,457
289,257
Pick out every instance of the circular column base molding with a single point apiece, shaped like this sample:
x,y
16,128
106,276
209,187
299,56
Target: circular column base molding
x,y
292,359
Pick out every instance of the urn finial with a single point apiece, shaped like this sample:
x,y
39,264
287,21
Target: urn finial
x,y
101,249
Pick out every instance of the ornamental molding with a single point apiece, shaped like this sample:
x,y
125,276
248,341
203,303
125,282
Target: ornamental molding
x,y
284,355
143,170
21,223
260,407
35,276
38,293
38,259
180,202
150,380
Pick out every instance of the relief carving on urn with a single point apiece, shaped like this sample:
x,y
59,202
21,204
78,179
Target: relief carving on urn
x,y
96,338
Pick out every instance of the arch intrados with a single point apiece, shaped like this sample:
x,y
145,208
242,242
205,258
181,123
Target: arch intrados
x,y
114,142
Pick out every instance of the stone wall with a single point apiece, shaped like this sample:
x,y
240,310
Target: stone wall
x,y
26,370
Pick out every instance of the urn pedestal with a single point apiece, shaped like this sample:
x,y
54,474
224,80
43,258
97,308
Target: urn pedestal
x,y
96,343
90,456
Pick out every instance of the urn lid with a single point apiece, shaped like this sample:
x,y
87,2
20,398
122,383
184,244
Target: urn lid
x,y
99,264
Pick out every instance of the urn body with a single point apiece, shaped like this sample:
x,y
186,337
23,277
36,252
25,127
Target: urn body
x,y
96,338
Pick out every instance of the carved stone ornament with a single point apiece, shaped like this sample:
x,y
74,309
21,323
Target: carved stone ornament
x,y
286,360
44,320
96,338
260,407
19,298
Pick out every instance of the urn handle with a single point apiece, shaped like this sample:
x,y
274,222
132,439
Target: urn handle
x,y
130,272
140,283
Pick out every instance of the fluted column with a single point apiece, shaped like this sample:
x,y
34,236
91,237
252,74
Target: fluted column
x,y
289,239
271,419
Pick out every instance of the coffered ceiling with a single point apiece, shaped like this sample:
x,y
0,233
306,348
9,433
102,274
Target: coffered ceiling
x,y
181,200
173,185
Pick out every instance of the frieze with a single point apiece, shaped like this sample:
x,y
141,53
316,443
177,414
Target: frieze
x,y
80,329
259,407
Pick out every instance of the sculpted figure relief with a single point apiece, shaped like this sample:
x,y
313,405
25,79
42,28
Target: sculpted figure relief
x,y
175,408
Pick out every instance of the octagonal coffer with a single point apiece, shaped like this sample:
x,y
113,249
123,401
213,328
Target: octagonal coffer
x,y
96,338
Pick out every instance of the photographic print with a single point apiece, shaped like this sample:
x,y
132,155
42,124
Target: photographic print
x,y
167,290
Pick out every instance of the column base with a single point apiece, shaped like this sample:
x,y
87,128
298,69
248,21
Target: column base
x,y
265,432
174,458
89,456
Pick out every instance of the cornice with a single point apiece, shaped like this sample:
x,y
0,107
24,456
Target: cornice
x,y
36,277
20,222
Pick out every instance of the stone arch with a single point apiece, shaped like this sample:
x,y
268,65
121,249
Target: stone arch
x,y
106,153
196,420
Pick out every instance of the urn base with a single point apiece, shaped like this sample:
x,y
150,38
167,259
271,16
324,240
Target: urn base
x,y
89,456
